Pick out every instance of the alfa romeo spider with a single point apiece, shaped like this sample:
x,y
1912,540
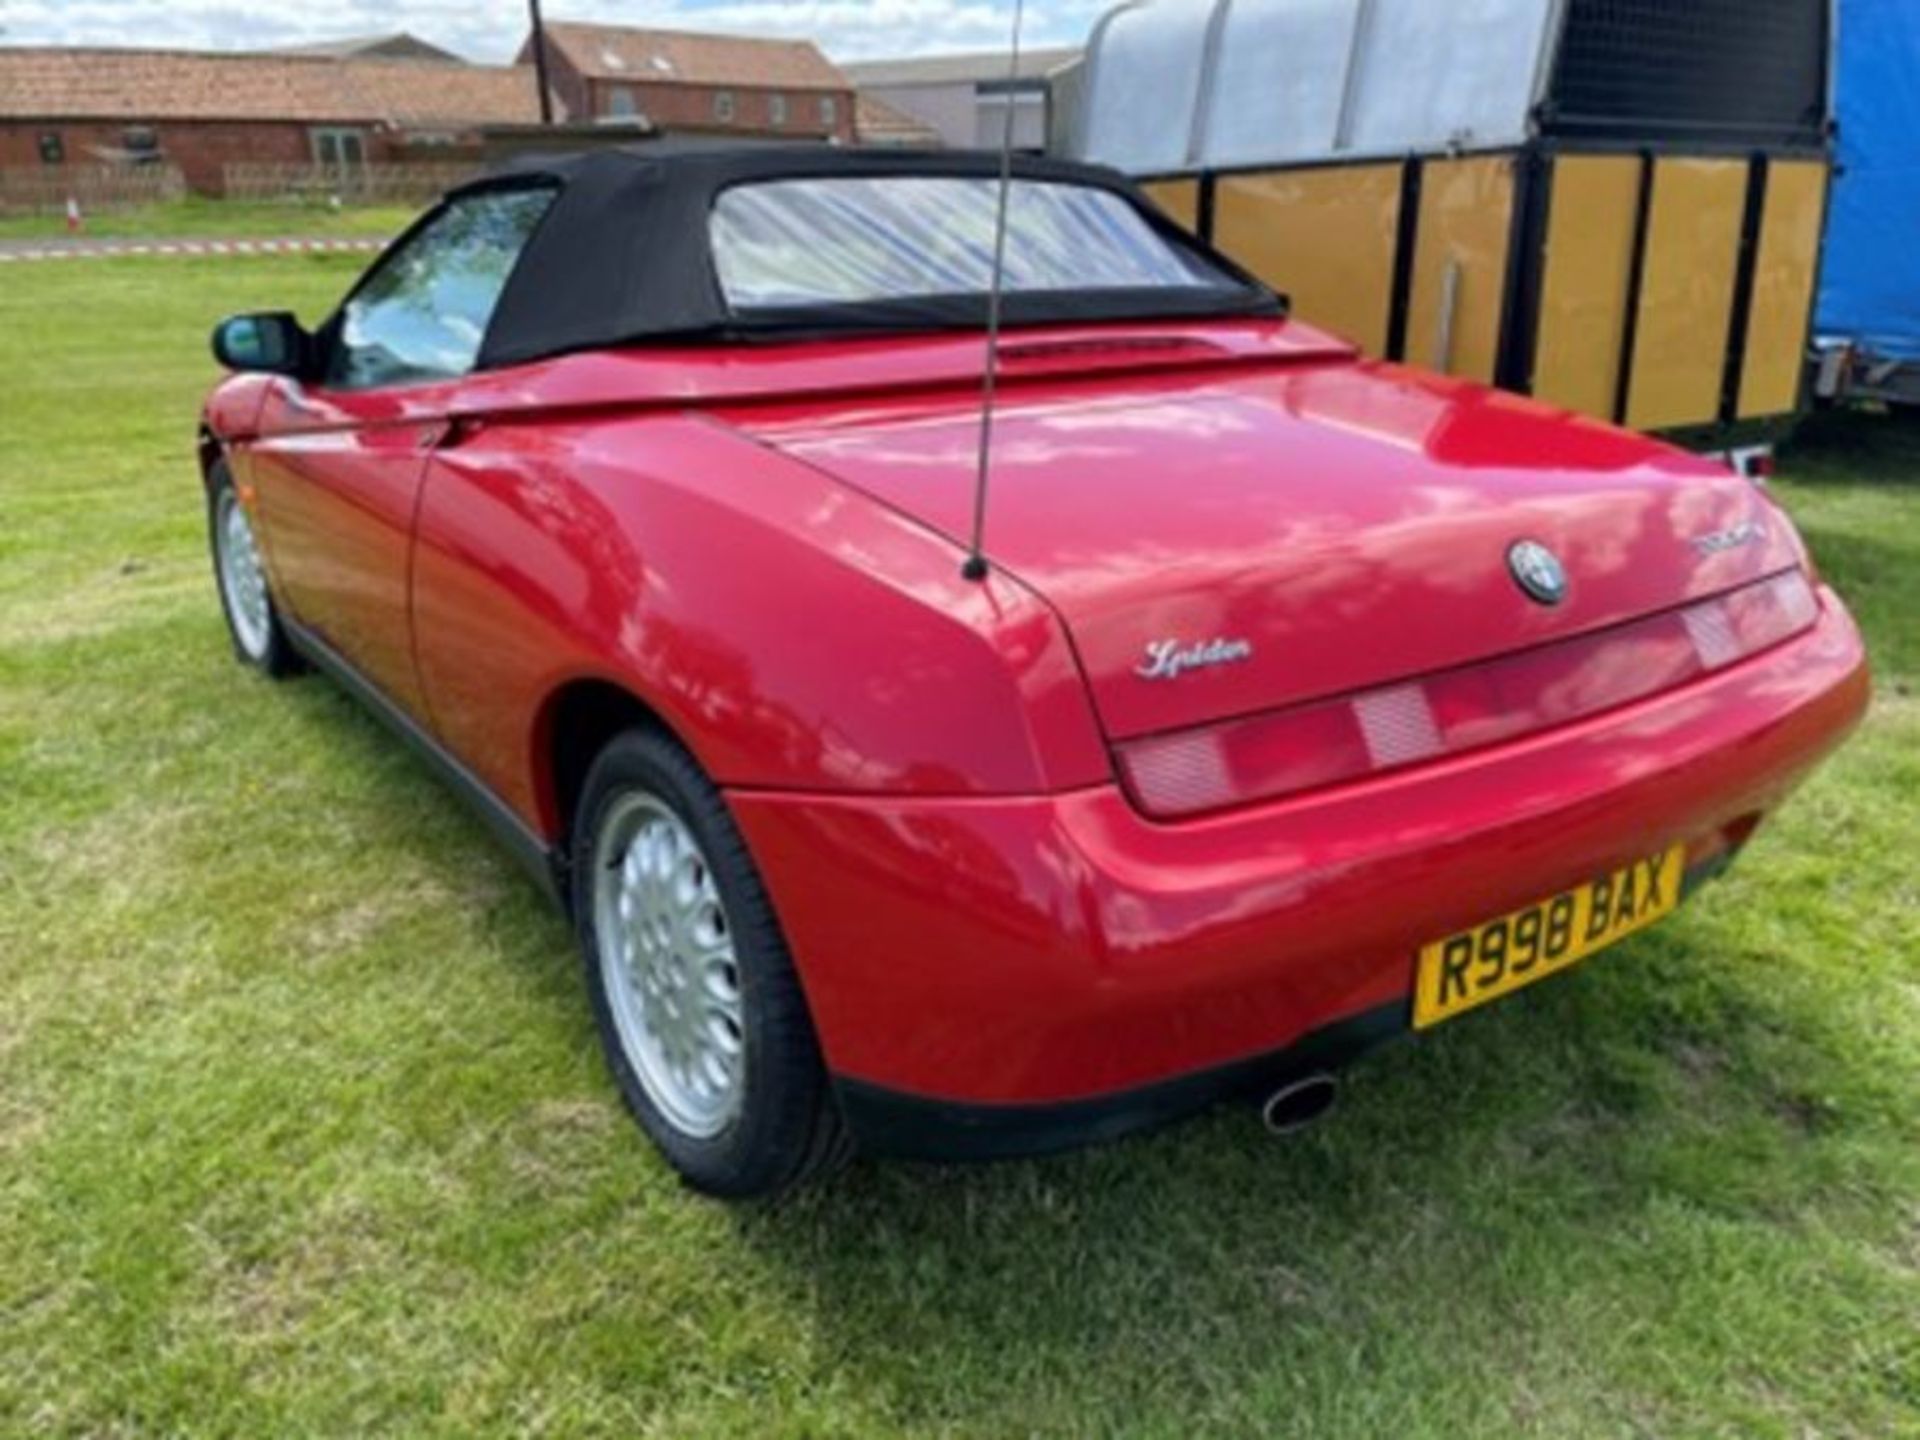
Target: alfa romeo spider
x,y
1228,704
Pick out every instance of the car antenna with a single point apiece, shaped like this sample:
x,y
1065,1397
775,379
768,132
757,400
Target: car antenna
x,y
976,564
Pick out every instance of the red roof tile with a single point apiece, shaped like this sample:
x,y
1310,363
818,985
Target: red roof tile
x,y
144,85
875,122
612,52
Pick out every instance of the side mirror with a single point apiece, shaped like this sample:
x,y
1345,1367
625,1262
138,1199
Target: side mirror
x,y
272,342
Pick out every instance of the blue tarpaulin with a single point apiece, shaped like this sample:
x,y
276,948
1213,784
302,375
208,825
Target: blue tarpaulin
x,y
1870,282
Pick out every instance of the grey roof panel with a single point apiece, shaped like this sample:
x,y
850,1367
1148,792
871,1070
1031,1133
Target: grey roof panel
x,y
1181,84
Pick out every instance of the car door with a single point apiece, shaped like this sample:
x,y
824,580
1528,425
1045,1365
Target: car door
x,y
341,459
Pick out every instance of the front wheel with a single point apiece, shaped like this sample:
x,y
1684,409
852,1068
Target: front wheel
x,y
694,994
253,623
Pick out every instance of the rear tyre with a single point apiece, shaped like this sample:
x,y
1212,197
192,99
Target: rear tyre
x,y
695,996
253,624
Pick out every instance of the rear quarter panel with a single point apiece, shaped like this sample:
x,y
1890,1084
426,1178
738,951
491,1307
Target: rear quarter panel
x,y
794,634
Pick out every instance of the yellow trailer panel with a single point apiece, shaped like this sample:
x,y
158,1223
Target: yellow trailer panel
x,y
1783,280
1326,237
1460,265
1612,205
1686,292
1180,199
1588,277
1597,275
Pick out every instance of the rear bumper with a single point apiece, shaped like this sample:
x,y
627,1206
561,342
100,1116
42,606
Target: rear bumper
x,y
1008,975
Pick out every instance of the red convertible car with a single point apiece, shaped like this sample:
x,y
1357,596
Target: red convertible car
x,y
1301,700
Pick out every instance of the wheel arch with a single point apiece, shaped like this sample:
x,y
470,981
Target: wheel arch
x,y
210,452
572,726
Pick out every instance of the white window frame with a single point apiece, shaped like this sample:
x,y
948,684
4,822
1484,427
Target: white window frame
x,y
830,111
776,109
724,106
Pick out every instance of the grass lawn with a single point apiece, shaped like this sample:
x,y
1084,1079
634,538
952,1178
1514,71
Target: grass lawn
x,y
303,1129
219,219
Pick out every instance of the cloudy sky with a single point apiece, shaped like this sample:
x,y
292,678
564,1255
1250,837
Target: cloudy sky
x,y
490,29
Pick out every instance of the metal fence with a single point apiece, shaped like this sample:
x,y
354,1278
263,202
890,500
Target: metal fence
x,y
45,189
411,184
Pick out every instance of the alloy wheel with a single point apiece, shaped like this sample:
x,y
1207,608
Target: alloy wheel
x,y
242,578
667,957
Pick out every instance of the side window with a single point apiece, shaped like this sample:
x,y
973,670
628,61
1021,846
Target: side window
x,y
422,315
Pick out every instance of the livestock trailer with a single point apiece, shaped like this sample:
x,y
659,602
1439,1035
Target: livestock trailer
x,y
1868,328
1613,205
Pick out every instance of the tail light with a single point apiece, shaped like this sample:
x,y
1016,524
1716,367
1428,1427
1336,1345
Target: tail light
x,y
1453,712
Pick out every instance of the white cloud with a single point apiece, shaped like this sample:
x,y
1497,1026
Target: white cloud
x,y
492,29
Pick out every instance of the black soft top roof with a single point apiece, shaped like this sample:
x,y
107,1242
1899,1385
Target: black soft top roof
x,y
623,255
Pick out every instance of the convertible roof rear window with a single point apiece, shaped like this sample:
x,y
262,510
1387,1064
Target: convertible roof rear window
x,y
696,244
854,240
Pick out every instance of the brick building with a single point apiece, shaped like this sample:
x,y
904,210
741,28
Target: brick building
x,y
202,111
680,81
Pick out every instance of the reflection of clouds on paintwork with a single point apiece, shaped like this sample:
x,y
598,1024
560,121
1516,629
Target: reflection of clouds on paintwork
x,y
493,29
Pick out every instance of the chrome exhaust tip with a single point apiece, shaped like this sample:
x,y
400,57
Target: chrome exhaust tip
x,y
1297,1104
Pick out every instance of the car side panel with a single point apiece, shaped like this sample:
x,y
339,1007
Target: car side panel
x,y
793,634
233,408
337,478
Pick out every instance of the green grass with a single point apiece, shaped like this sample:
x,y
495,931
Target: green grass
x,y
219,219
303,1130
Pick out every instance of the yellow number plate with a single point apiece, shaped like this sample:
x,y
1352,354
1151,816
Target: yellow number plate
x,y
1488,961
